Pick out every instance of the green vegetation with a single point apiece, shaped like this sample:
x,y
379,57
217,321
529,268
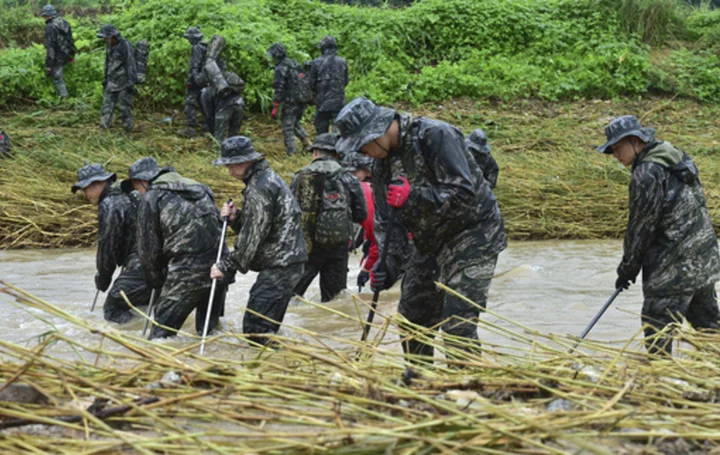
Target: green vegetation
x,y
552,183
433,50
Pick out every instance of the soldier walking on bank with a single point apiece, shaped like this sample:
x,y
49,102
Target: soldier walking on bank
x,y
195,80
286,96
59,47
669,234
328,78
424,173
179,230
119,79
117,242
270,240
331,200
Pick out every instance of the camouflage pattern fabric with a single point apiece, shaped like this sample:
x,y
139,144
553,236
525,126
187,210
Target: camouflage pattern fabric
x,y
669,234
328,79
291,127
117,247
60,48
269,296
699,308
332,265
4,145
179,229
123,101
476,142
192,103
284,83
207,106
120,69
310,185
229,112
268,225
194,81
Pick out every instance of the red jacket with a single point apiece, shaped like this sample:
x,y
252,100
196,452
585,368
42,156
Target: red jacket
x,y
369,227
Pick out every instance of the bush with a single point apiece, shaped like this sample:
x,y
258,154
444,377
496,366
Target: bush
x,y
432,50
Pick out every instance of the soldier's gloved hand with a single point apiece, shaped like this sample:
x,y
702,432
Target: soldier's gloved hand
x,y
49,70
623,282
72,60
188,85
398,192
102,282
362,278
216,273
274,112
229,211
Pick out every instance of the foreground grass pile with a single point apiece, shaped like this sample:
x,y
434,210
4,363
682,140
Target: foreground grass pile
x,y
552,183
125,394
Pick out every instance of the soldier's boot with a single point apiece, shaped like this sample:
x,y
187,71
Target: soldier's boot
x,y
416,352
62,89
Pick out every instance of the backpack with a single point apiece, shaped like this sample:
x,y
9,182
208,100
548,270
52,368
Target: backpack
x,y
301,85
141,52
325,209
66,43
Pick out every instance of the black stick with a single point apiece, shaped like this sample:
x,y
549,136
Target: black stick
x,y
383,261
596,318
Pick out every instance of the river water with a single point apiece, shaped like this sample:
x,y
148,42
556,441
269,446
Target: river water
x,y
551,286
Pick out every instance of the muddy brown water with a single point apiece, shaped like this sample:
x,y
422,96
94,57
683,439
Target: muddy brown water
x,y
551,286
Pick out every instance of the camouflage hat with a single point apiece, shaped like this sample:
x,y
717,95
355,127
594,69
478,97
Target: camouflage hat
x,y
277,50
91,173
360,122
235,150
328,42
622,127
143,169
108,31
477,140
325,141
355,162
48,11
193,32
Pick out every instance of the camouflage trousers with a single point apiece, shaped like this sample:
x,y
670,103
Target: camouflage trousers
x,y
323,120
123,100
700,308
332,265
185,290
56,74
291,127
268,301
228,120
132,281
192,104
207,107
422,304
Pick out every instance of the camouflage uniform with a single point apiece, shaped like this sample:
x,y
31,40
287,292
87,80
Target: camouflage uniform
x,y
270,240
119,79
117,245
285,95
451,211
328,78
477,143
59,46
669,236
179,229
229,109
331,263
4,144
195,81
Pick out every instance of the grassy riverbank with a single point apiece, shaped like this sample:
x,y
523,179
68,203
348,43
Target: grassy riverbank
x,y
552,184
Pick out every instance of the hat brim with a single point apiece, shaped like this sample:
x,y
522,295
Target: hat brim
x,y
375,127
325,148
224,161
82,184
644,134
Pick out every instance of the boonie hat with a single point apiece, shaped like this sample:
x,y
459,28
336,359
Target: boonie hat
x,y
360,122
91,173
622,127
237,149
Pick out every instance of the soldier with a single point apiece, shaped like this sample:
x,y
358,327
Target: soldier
x,y
117,243
229,108
120,77
270,240
286,95
179,229
328,78
331,199
195,81
477,143
59,47
361,167
669,234
426,176
4,145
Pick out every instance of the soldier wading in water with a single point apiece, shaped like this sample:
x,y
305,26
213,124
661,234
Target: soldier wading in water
x,y
669,234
